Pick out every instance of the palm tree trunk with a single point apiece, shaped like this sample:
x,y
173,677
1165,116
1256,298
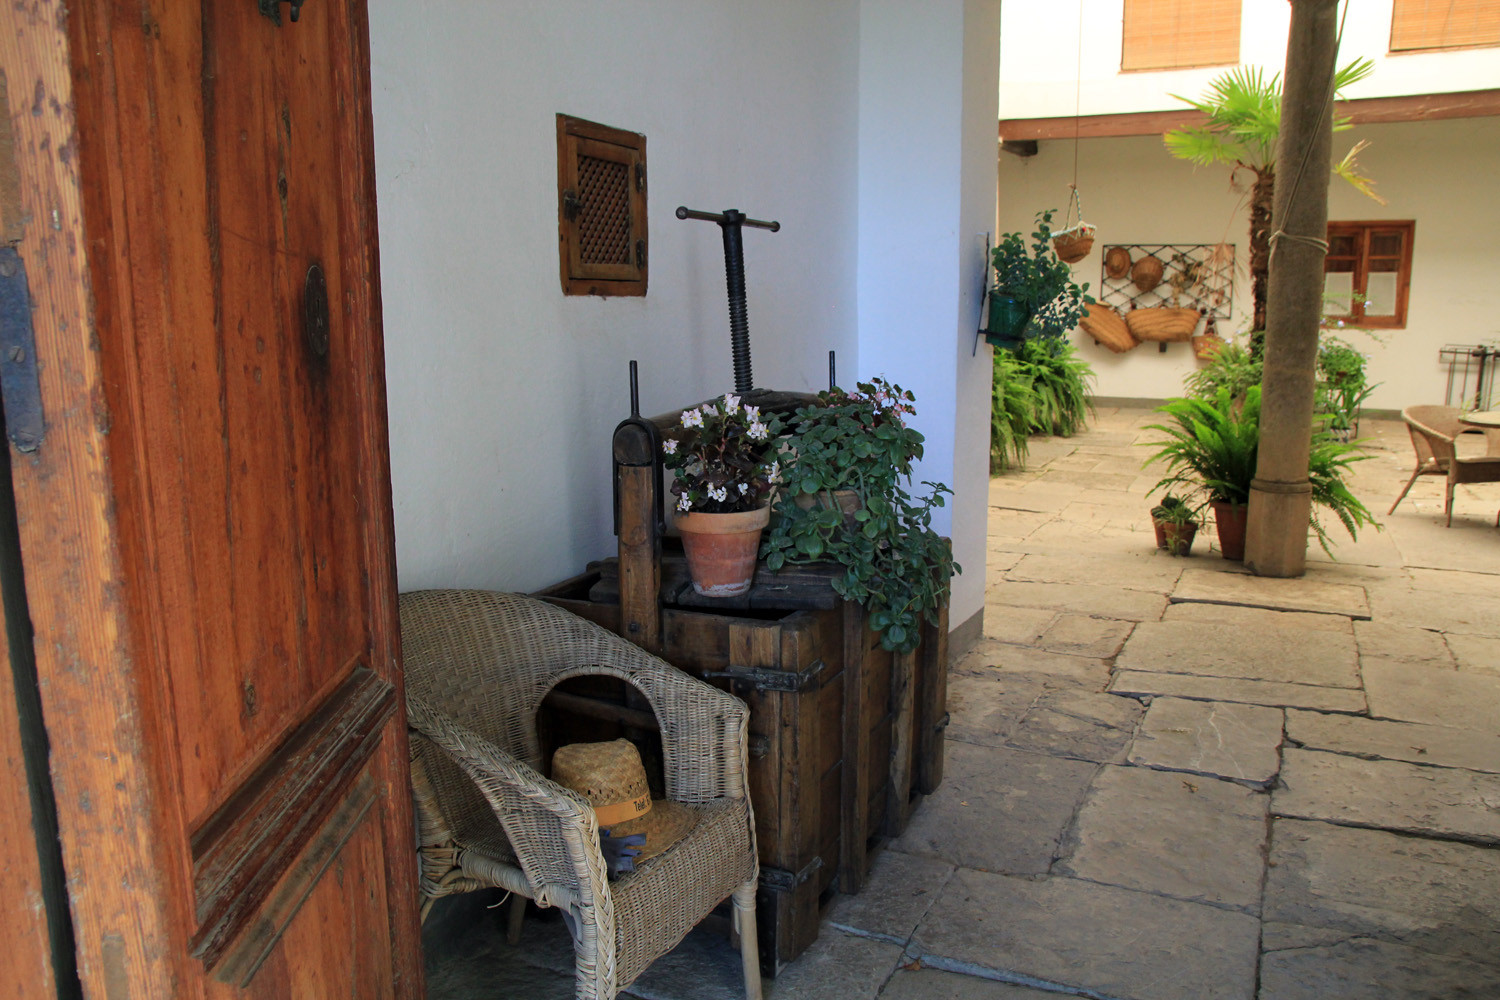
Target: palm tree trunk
x,y
1261,196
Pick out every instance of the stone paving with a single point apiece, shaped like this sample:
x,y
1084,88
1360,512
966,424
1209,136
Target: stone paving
x,y
1168,779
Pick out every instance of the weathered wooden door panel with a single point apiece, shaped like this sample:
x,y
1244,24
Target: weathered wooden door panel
x,y
206,530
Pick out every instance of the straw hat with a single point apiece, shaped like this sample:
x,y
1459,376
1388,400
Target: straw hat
x,y
611,777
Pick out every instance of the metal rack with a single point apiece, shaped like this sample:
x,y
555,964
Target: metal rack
x,y
1471,374
1199,276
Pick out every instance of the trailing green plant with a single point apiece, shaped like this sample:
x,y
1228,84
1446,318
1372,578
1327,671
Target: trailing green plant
x,y
1040,280
1012,403
1231,367
1212,446
1059,381
895,564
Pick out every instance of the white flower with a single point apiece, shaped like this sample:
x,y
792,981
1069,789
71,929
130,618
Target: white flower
x,y
758,431
752,413
707,409
692,418
669,446
744,488
684,502
773,473
731,403
718,493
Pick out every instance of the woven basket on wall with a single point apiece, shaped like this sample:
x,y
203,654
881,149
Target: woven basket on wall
x,y
1162,324
1104,324
1146,273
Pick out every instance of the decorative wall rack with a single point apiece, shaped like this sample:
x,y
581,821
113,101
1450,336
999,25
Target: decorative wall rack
x,y
1190,275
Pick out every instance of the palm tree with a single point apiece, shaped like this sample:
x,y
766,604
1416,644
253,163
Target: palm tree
x,y
1243,109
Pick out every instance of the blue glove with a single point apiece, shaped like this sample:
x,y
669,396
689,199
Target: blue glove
x,y
620,852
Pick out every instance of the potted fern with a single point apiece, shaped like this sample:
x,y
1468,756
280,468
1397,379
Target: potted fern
x,y
1175,521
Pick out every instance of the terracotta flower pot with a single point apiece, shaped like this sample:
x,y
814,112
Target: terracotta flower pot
x,y
721,549
1230,519
1176,538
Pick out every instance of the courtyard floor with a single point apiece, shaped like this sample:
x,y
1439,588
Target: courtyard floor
x,y
1167,779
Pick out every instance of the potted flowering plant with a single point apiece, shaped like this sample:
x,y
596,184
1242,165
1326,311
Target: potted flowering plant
x,y
719,452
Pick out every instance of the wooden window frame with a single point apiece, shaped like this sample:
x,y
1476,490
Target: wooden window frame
x,y
1142,62
577,139
1413,49
1363,231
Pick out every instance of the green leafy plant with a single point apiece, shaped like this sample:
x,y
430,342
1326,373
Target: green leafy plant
x,y
1059,381
895,564
1231,367
1342,386
1243,110
1177,512
1040,280
1012,403
1211,445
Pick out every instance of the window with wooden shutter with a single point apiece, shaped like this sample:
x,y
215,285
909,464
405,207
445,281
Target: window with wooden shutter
x,y
1417,25
601,208
1176,34
1367,273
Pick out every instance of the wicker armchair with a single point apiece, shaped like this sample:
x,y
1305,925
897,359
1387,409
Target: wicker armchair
x,y
477,667
1434,429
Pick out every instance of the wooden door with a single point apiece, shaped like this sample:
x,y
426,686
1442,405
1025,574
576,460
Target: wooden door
x,y
205,526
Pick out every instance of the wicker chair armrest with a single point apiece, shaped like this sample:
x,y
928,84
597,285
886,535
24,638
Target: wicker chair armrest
x,y
552,829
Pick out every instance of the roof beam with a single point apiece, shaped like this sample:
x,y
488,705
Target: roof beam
x,y
1409,108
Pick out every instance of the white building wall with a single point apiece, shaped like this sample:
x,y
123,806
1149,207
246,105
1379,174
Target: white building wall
x,y
1046,72
1436,173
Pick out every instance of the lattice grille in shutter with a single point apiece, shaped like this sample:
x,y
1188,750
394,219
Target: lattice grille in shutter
x,y
604,211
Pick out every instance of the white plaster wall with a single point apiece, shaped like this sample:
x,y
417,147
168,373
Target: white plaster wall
x,y
1047,71
1436,173
926,142
504,393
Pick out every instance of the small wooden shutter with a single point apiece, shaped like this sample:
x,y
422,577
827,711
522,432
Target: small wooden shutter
x,y
601,208
1174,34
1444,24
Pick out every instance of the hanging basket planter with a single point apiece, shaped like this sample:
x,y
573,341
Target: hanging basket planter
x,y
1073,244
1008,318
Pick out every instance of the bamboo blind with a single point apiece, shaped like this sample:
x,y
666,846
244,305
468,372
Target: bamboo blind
x,y
1444,24
1172,34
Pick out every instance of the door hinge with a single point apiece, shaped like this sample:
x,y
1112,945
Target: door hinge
x,y
571,206
766,679
640,255
640,177
19,385
272,8
781,880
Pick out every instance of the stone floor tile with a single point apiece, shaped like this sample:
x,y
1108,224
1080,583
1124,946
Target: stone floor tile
x,y
1431,895
1091,480
1389,795
1143,569
1475,653
1223,739
1385,641
997,560
1074,723
1251,692
899,891
1256,618
998,810
987,706
1365,969
1459,582
1005,522
1080,635
1415,742
1079,598
1301,594
1189,837
1415,693
1428,608
935,984
1017,625
1061,669
835,967
1287,655
1121,943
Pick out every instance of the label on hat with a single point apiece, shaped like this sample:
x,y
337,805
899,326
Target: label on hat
x,y
623,812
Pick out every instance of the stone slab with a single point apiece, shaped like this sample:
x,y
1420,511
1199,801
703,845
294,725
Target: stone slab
x,y
1091,480
1080,635
836,966
985,707
1079,598
1432,895
1365,969
1415,742
1255,618
1389,795
1301,594
934,984
1221,739
1475,653
1433,608
1250,692
1386,641
1116,942
998,810
988,657
1017,625
1286,655
899,891
1142,570
1416,693
1188,837
1080,724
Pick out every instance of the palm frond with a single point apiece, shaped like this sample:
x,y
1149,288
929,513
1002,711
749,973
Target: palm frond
x,y
1348,169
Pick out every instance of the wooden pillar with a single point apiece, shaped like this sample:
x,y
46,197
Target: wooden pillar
x,y
1280,496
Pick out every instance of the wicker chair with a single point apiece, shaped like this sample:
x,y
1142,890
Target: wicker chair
x,y
477,667
1434,429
